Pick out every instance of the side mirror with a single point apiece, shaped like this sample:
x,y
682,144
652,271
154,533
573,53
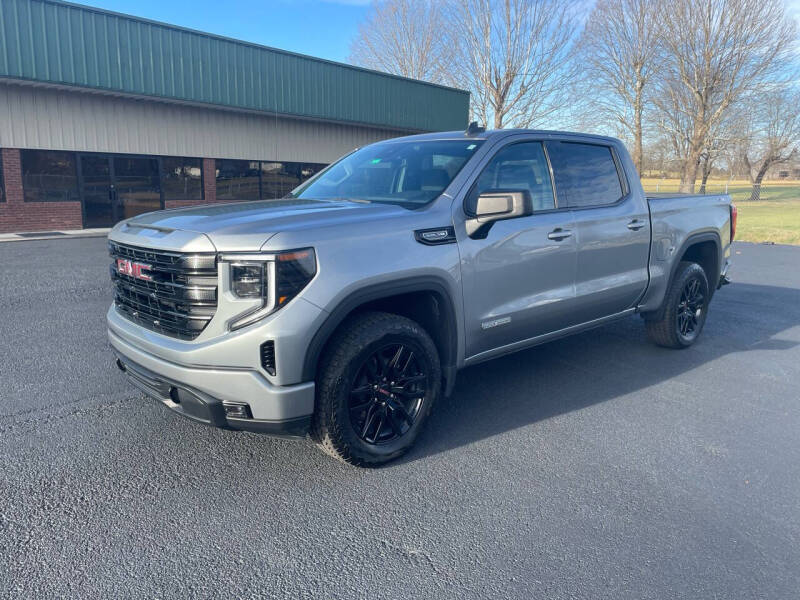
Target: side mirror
x,y
498,205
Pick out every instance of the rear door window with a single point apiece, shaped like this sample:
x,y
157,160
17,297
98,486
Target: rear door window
x,y
585,174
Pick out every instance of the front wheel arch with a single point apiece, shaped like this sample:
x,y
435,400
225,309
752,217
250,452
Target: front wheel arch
x,y
424,299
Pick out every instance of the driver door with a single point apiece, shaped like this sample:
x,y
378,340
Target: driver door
x,y
519,281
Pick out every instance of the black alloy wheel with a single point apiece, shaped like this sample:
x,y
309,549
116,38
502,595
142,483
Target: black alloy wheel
x,y
690,309
679,322
386,394
377,382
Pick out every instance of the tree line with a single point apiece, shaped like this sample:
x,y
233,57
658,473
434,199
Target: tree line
x,y
700,82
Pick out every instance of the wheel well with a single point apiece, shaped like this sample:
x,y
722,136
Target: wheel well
x,y
704,252
430,308
706,255
424,307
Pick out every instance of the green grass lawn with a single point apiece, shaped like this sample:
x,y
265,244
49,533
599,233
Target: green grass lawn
x,y
774,218
777,193
775,221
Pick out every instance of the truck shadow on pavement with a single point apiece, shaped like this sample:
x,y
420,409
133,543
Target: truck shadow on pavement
x,y
606,364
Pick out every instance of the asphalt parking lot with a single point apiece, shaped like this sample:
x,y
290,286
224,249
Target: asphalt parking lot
x,y
593,467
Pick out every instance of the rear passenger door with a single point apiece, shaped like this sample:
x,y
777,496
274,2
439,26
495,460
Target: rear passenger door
x,y
611,227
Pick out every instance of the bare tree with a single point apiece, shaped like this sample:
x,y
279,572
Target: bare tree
x,y
403,37
658,157
513,56
619,54
717,51
772,136
707,159
673,121
722,137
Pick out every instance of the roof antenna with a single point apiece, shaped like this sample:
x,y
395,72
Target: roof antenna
x,y
474,129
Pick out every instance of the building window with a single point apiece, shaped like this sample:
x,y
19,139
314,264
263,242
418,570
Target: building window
x,y
49,176
273,180
237,179
252,179
137,184
182,178
2,181
280,178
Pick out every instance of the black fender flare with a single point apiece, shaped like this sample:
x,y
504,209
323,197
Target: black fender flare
x,y
691,240
380,291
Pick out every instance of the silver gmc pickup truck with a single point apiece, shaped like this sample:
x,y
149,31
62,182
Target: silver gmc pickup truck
x,y
345,309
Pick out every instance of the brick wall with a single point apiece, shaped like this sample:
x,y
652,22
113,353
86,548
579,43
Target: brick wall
x,y
16,215
210,179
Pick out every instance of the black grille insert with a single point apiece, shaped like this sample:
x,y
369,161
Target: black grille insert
x,y
175,294
268,357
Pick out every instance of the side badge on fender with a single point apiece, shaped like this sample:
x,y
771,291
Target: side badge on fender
x,y
495,322
435,236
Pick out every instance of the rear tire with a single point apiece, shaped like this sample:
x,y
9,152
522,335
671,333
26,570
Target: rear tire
x,y
685,309
375,389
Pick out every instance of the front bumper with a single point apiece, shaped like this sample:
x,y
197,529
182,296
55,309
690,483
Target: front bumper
x,y
207,394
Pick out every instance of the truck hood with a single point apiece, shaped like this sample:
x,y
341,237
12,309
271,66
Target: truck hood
x,y
248,225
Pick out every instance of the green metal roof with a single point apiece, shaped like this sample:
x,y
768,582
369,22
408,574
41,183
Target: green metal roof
x,y
68,44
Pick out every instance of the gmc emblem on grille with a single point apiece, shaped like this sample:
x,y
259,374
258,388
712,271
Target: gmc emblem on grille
x,y
133,269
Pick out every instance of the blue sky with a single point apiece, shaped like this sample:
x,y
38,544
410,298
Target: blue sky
x,y
322,28
319,28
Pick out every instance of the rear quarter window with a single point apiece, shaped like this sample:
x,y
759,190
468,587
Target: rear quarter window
x,y
585,174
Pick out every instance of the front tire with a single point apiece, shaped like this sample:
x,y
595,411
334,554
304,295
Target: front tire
x,y
685,309
375,389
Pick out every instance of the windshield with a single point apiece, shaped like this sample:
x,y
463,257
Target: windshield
x,y
411,173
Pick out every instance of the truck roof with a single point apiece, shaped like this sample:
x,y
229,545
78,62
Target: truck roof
x,y
501,133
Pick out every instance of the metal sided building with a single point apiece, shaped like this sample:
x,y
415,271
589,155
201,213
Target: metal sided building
x,y
104,116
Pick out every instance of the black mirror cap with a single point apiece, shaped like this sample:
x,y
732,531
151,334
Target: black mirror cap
x,y
498,205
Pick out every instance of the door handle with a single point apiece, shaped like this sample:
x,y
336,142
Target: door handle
x,y
636,225
559,234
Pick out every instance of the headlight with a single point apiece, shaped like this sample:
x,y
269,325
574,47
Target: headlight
x,y
274,279
248,280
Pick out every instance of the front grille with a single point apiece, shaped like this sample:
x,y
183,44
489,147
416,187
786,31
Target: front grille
x,y
179,297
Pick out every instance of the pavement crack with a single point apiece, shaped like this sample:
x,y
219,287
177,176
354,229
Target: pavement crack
x,y
63,412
